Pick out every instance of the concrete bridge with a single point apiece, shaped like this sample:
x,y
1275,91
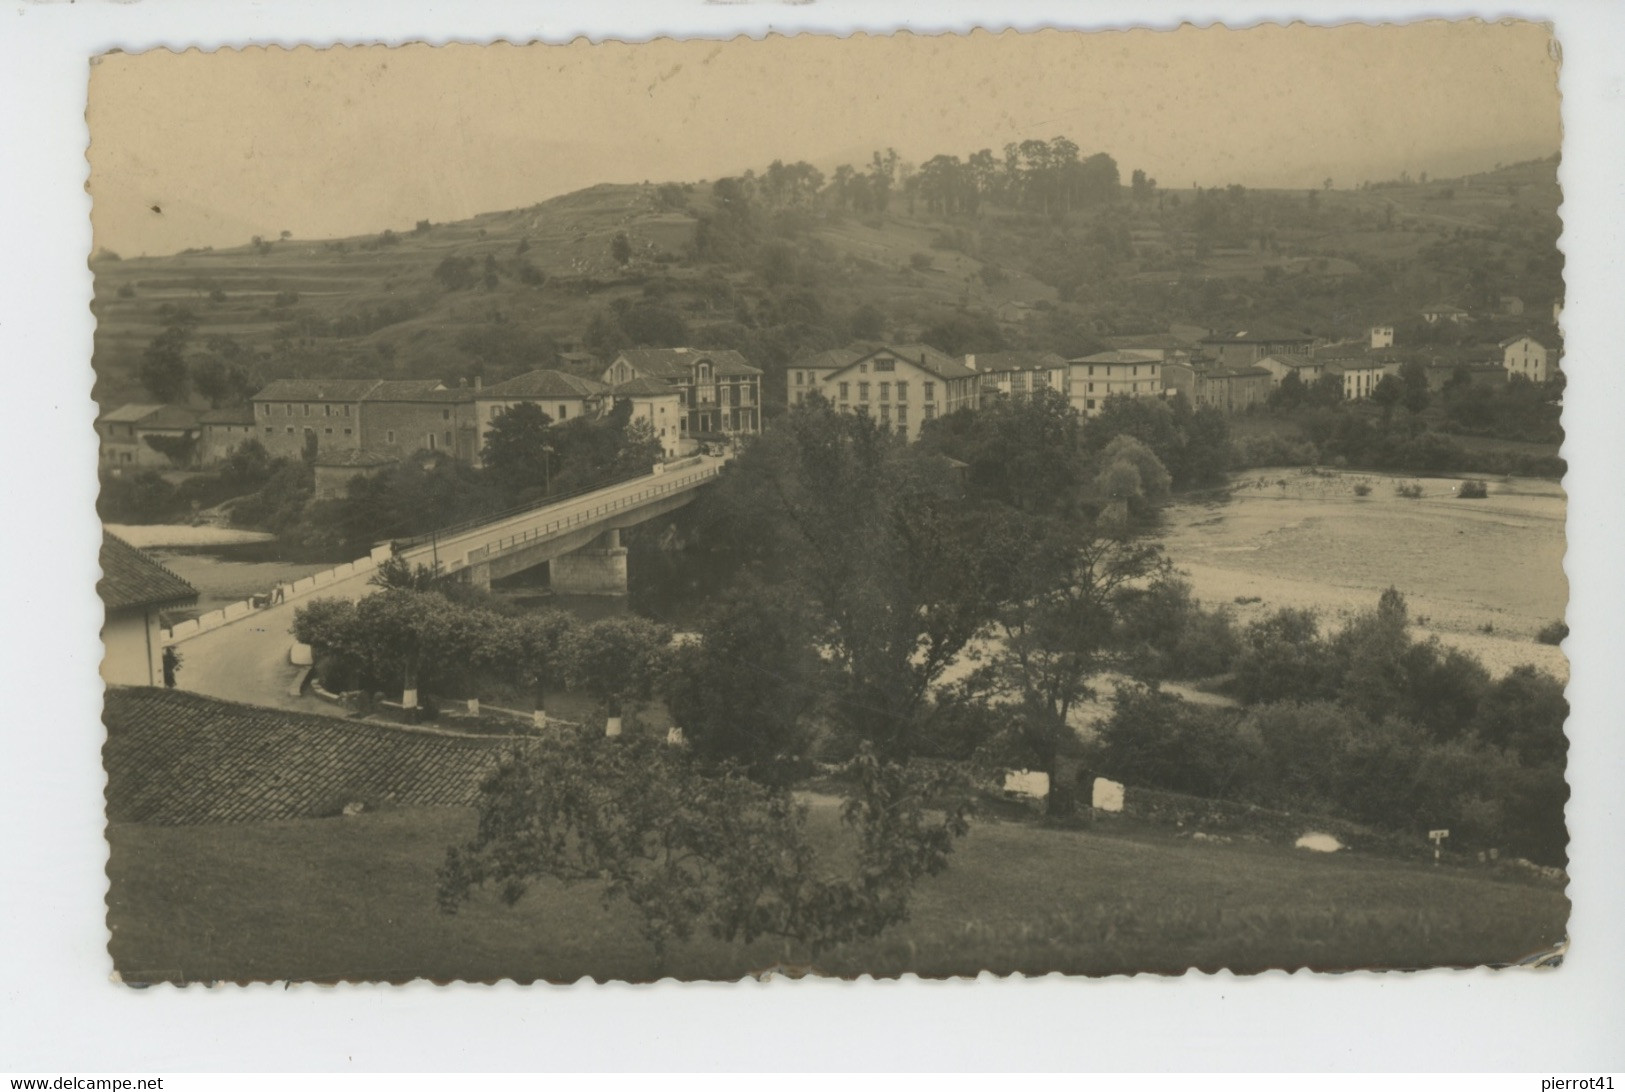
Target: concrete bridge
x,y
241,652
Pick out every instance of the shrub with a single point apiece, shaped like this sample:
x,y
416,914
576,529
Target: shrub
x,y
1553,634
1408,490
1362,489
1473,489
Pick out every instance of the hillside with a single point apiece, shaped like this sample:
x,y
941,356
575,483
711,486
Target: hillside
x,y
505,291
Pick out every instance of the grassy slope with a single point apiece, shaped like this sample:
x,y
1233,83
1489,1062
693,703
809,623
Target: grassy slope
x,y
569,239
354,899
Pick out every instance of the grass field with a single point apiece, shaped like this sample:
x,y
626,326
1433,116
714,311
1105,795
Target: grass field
x,y
353,899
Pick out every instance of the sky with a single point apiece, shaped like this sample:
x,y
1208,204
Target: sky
x,y
209,149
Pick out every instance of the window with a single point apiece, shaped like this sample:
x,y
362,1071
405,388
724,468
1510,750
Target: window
x,y
885,364
863,392
930,391
290,430
1091,388
288,409
885,413
430,438
268,409
389,436
564,411
445,415
346,410
327,410
1090,403
269,431
863,369
448,438
902,415
902,391
307,409
801,379
845,391
930,413
885,392
328,431
348,431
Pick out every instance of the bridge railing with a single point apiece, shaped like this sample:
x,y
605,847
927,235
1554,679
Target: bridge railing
x,y
670,484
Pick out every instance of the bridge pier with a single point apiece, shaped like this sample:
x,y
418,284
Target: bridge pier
x,y
596,569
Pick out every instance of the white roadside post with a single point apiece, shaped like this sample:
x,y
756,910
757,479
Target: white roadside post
x,y
1438,836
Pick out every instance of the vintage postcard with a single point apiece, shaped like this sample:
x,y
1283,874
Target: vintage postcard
x,y
1051,502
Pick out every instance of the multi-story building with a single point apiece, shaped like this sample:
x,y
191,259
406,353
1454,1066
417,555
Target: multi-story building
x,y
224,430
807,375
560,395
1018,374
721,394
903,386
1244,348
124,432
1436,313
1382,337
1525,356
661,406
297,418
1360,376
1126,372
1308,369
1226,388
1165,347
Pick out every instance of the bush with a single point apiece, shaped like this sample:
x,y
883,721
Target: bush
x,y
1473,489
1408,490
1362,489
1553,634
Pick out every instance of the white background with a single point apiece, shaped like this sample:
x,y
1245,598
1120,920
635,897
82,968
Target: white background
x,y
60,1014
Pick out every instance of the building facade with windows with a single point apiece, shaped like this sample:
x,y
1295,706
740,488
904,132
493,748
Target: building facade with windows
x,y
560,395
402,417
1527,357
720,394
660,405
298,418
1244,348
903,386
1127,372
122,435
806,376
1019,374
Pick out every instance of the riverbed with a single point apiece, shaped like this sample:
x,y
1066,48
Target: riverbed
x,y
1481,575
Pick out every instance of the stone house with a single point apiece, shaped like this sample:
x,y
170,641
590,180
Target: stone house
x,y
1444,312
560,395
1131,373
661,406
1525,356
903,386
721,394
1308,369
1360,376
135,590
806,375
402,417
224,430
298,418
1232,389
1244,348
123,435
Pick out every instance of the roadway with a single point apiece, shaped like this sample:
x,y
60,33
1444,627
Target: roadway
x,y
247,659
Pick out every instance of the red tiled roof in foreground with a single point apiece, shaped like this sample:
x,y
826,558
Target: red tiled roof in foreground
x,y
177,759
132,579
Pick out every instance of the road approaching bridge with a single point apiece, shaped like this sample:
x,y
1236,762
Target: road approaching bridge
x,y
241,653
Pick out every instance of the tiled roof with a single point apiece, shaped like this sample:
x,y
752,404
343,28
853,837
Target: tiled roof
x,y
645,388
131,413
831,359
132,579
933,360
676,363
414,390
1016,360
1296,361
1147,341
1255,335
543,383
1119,356
174,758
1248,372
227,415
317,390
168,417
1508,341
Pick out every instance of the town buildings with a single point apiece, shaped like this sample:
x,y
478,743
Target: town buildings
x,y
1244,348
903,386
560,395
123,436
135,590
1525,356
1128,372
660,405
307,418
721,394
224,430
807,375
1308,369
1017,374
1444,312
1228,388
1360,375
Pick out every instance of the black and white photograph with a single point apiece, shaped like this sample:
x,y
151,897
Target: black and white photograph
x,y
901,504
